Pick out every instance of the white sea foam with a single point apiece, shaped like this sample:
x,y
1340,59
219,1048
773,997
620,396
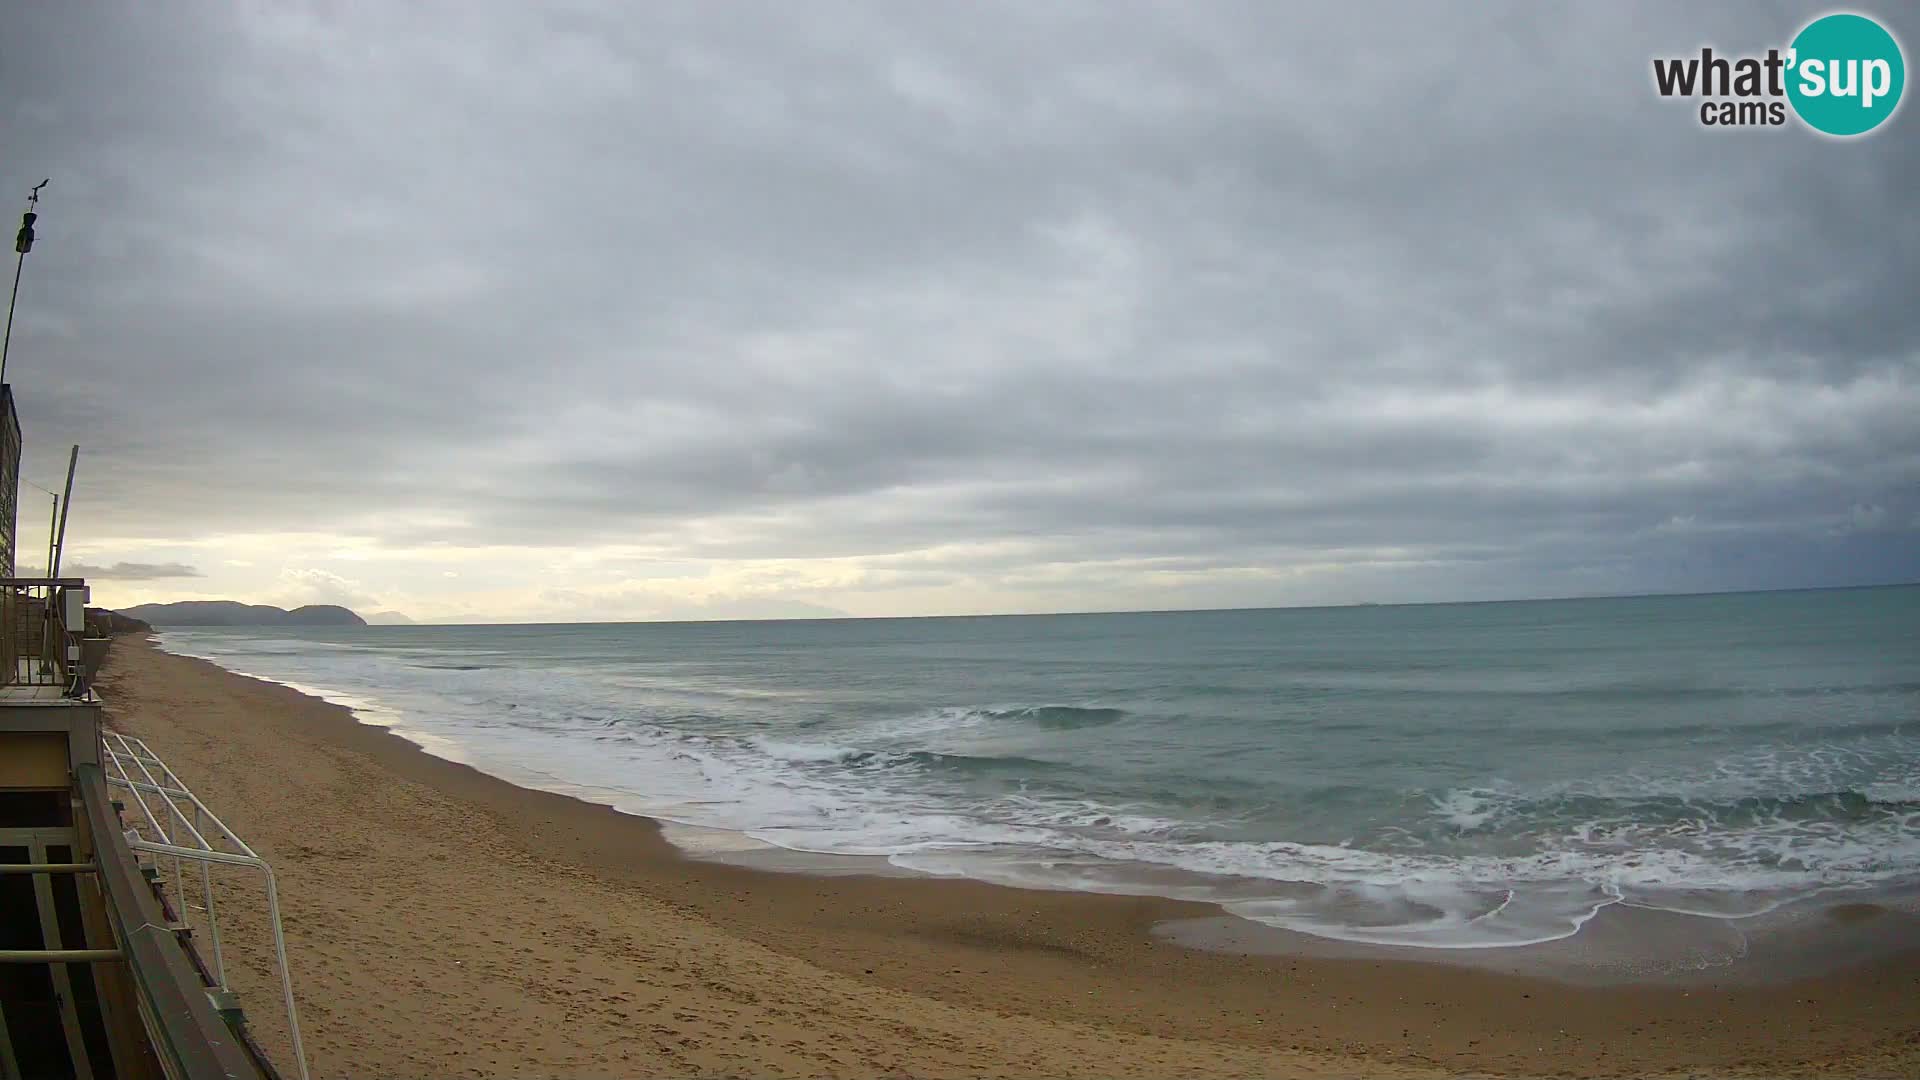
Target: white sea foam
x,y
944,790
1466,810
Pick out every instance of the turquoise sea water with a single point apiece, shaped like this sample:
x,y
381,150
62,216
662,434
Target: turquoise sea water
x,y
1448,776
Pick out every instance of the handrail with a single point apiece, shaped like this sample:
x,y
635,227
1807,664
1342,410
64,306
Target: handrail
x,y
124,749
183,1027
57,956
42,624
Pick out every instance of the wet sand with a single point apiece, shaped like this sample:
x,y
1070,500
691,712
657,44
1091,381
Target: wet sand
x,y
445,923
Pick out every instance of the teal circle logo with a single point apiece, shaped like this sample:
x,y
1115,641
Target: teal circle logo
x,y
1846,74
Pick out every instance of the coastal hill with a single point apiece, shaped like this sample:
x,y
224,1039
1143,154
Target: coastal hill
x,y
104,623
229,613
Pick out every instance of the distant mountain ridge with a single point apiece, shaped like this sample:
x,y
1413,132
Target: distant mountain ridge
x,y
231,613
104,623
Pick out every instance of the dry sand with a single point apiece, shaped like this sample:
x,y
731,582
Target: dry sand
x,y
445,923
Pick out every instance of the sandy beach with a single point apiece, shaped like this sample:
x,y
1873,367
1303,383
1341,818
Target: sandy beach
x,y
445,923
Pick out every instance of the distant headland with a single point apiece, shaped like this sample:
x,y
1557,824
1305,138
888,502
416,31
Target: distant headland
x,y
230,613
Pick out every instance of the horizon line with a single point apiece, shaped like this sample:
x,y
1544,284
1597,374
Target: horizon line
x,y
1046,614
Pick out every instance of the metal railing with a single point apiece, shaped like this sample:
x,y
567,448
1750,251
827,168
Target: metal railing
x,y
165,805
42,623
174,1008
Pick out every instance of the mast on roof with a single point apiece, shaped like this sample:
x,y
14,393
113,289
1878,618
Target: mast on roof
x,y
22,243
66,504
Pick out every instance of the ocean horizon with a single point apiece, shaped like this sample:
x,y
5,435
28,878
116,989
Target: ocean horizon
x,y
1460,775
842,617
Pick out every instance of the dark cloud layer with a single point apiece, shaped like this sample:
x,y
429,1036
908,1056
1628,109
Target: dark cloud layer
x,y
1443,300
126,571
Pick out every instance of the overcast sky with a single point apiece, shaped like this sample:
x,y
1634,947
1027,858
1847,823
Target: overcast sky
x,y
604,311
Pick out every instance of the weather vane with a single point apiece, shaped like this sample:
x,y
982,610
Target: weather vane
x,y
23,242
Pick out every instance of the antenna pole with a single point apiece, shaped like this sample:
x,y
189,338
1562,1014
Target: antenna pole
x,y
53,521
66,504
6,343
22,243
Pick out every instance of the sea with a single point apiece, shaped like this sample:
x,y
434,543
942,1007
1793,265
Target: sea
x,y
1448,776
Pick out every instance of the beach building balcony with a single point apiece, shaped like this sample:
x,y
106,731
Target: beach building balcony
x,y
99,974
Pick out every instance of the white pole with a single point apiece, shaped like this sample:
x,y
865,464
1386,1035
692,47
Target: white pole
x,y
66,504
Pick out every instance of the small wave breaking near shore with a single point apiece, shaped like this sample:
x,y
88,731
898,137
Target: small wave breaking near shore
x,y
1498,789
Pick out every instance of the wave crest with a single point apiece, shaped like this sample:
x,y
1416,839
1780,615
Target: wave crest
x,y
1057,717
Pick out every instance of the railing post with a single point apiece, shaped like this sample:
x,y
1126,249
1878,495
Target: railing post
x,y
213,921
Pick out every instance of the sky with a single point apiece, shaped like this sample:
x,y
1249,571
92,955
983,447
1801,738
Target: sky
x,y
595,311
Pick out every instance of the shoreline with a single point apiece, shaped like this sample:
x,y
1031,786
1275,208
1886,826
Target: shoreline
x,y
1619,943
955,977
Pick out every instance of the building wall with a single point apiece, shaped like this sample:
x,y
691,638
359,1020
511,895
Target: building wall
x,y
9,479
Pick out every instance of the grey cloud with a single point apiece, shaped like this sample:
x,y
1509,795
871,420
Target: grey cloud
x,y
130,571
1104,282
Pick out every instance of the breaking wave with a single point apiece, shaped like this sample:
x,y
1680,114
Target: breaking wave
x,y
1457,798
